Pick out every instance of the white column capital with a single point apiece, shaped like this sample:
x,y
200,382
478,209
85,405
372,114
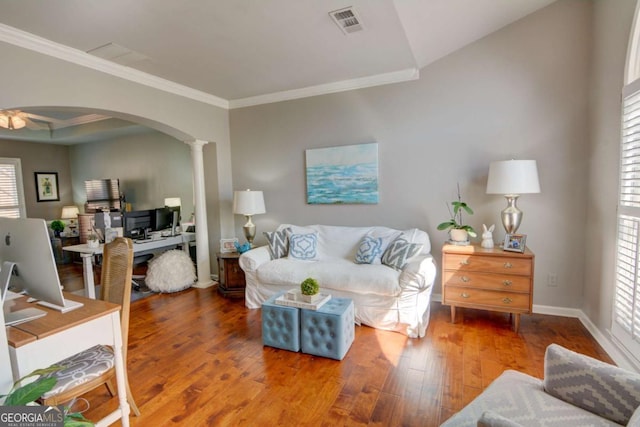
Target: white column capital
x,y
196,143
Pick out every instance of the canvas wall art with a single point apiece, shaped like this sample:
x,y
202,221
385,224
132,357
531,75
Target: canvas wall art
x,y
343,175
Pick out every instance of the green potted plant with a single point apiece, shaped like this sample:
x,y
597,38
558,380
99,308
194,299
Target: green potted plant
x,y
28,394
57,226
458,231
309,289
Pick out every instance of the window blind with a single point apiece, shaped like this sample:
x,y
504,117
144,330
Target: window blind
x,y
11,193
626,310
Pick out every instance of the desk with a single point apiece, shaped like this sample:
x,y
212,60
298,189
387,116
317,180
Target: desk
x,y
44,341
87,254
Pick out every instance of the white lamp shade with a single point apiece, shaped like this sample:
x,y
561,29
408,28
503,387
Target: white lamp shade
x,y
513,177
248,202
69,212
172,201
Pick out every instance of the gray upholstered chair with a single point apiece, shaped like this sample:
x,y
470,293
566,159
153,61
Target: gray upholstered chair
x,y
577,390
94,367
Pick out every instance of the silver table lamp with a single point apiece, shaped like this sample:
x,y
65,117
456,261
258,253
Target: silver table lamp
x,y
512,178
248,203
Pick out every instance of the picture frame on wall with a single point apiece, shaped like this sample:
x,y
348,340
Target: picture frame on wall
x,y
515,242
47,186
228,245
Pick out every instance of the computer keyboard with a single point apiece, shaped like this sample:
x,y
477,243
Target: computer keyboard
x,y
21,316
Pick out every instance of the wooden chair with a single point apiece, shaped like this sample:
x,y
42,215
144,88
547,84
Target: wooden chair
x,y
93,367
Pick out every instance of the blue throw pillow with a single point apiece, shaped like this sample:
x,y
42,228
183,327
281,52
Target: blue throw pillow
x,y
369,249
303,246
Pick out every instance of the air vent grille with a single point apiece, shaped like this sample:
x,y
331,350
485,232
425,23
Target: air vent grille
x,y
347,20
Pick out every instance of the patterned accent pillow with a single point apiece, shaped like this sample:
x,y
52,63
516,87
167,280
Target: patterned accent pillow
x,y
368,250
278,242
303,246
595,386
400,252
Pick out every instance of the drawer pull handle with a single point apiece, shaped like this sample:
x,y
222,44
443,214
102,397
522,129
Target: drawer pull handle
x,y
464,295
464,262
465,279
507,282
508,265
507,300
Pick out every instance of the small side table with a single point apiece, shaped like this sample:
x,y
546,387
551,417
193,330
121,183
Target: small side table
x,y
230,275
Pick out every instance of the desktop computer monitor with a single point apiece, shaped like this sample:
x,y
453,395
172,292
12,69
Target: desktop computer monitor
x,y
166,218
28,263
135,222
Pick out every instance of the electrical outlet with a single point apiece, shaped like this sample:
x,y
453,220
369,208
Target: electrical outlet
x,y
552,280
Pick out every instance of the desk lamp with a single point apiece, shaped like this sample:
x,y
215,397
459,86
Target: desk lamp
x,y
70,213
248,203
512,178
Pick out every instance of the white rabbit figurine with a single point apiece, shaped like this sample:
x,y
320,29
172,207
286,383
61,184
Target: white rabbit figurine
x,y
487,236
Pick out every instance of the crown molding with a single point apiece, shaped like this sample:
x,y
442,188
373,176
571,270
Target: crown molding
x,y
324,89
38,44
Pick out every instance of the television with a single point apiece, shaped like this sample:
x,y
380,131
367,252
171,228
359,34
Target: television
x,y
28,264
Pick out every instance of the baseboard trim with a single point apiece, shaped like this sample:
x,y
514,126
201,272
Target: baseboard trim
x,y
618,354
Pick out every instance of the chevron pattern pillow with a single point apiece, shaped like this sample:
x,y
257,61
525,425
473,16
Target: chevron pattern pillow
x,y
400,252
278,243
590,384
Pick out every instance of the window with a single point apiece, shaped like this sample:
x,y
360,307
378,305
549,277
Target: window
x,y
626,310
11,192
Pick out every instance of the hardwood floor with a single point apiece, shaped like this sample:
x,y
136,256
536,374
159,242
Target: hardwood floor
x,y
197,359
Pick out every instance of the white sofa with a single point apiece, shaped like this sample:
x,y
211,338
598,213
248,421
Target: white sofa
x,y
384,297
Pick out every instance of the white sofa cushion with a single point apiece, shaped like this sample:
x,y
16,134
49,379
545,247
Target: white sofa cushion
x,y
336,274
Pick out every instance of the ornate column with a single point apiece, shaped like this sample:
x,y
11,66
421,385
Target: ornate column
x,y
203,265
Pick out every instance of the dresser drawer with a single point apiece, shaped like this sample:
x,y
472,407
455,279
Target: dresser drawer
x,y
491,264
494,300
499,282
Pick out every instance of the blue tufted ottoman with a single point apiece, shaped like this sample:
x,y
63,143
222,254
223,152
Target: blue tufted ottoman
x,y
280,325
328,331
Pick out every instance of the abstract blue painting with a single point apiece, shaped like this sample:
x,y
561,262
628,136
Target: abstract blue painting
x,y
341,175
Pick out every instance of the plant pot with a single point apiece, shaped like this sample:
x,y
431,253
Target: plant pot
x,y
310,298
458,235
93,244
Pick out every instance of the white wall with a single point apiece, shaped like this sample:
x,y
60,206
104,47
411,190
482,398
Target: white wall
x,y
518,93
611,30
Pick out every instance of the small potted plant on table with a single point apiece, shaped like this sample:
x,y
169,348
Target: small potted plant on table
x,y
458,231
57,226
310,290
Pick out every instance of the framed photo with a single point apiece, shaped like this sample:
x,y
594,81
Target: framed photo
x,y
47,186
515,242
228,245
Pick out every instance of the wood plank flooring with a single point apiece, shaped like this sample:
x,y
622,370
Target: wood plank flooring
x,y
196,359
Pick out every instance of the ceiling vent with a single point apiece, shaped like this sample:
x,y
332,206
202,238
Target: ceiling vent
x,y
119,54
347,19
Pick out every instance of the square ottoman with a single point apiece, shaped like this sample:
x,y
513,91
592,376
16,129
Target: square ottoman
x,y
280,325
328,331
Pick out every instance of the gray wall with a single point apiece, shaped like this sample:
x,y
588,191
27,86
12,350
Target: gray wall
x,y
518,93
150,167
41,158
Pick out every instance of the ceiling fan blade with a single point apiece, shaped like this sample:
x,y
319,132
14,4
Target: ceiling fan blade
x,y
35,126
